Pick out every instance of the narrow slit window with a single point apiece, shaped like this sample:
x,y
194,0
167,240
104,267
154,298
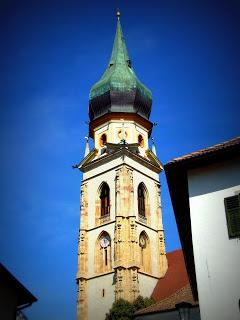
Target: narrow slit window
x,y
141,200
106,259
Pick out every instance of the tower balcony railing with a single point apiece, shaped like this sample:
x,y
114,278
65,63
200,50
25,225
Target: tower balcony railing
x,y
142,219
105,218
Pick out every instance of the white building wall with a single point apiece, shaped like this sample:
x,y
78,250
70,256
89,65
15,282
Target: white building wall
x,y
146,285
217,258
99,305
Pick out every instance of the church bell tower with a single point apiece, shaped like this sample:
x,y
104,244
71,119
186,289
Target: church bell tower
x,y
121,250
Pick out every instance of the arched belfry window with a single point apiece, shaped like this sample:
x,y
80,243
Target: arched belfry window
x,y
140,140
103,140
141,200
145,252
103,259
102,204
105,201
143,204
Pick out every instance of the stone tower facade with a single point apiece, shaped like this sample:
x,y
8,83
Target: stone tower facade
x,y
121,250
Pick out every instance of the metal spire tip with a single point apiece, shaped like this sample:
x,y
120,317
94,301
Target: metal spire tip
x,y
118,14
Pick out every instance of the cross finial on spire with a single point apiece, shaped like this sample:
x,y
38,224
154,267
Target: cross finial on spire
x,y
118,14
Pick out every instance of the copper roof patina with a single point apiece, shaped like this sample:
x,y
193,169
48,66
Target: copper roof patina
x,y
119,89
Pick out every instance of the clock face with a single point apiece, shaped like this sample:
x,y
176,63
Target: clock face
x,y
142,241
104,243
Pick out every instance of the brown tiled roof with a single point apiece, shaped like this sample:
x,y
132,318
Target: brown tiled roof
x,y
173,288
182,295
175,278
221,147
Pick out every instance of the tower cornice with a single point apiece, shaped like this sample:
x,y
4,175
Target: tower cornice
x,y
118,116
156,167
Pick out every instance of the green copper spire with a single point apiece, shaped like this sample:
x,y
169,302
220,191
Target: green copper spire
x,y
119,89
119,51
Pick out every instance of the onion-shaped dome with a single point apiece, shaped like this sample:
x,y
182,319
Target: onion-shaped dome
x,y
119,89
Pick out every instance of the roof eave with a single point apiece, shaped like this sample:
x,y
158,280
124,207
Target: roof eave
x,y
24,296
124,151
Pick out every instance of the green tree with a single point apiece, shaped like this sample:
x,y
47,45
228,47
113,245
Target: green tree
x,y
124,310
141,303
121,310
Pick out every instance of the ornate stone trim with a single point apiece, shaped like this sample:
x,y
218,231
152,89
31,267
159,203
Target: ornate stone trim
x,y
82,301
104,219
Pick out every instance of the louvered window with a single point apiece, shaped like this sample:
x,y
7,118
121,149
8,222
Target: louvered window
x,y
232,207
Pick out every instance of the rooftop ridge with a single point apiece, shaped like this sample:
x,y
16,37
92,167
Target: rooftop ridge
x,y
212,149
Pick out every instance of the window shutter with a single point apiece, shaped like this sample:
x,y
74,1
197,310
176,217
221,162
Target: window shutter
x,y
232,207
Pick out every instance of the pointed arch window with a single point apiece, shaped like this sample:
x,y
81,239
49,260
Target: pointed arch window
x,y
103,260
105,200
141,200
145,252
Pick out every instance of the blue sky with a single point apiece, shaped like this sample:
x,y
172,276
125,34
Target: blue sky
x,y
52,52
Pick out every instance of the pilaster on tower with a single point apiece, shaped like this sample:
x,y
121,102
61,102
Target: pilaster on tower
x,y
121,251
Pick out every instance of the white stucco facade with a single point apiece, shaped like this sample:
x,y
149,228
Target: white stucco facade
x,y
146,284
101,296
217,258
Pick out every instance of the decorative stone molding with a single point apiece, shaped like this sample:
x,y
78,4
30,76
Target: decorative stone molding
x,y
127,284
133,233
163,265
134,289
119,287
119,241
158,205
84,206
105,219
124,191
82,254
82,302
142,219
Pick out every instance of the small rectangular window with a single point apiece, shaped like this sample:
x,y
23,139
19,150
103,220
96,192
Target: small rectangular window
x,y
232,208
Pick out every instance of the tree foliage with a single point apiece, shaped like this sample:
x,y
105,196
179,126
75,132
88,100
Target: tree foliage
x,y
124,310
